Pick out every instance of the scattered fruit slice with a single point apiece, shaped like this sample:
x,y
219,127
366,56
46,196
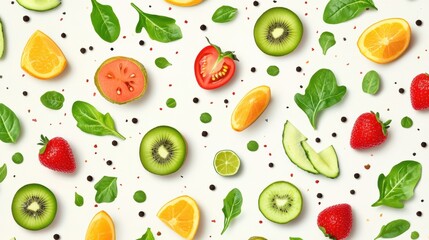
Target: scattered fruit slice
x,y
1,40
386,40
182,215
184,3
250,107
42,58
34,207
121,79
101,227
39,5
325,162
226,163
280,202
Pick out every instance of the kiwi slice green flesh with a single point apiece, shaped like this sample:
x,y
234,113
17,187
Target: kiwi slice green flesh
x,y
280,202
278,31
34,207
162,150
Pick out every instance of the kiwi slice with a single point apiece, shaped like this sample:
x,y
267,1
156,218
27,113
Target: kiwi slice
x,y
280,202
162,150
278,31
34,206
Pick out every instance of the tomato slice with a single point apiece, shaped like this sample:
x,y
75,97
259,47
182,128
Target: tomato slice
x,y
213,68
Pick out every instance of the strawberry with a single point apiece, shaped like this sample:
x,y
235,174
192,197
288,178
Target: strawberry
x,y
336,221
57,155
420,92
369,131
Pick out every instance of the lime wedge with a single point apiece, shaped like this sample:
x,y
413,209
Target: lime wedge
x,y
226,163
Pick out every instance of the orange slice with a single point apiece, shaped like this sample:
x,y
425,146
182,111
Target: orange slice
x,y
42,58
184,3
250,107
101,228
386,40
182,215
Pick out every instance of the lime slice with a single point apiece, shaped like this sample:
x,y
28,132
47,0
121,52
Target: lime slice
x,y
226,163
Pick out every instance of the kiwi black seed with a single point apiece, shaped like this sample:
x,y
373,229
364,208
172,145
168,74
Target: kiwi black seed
x,y
162,150
34,207
278,31
280,202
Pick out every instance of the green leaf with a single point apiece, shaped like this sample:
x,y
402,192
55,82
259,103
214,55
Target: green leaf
x,y
3,172
205,117
371,82
322,92
91,121
139,196
147,236
338,11
406,122
52,100
159,28
415,235
10,128
162,62
398,186
107,191
105,22
171,103
295,238
2,41
224,14
273,70
326,41
394,229
78,200
231,207
17,158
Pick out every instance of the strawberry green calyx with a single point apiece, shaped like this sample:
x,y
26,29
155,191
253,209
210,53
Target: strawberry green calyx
x,y
384,125
326,234
43,142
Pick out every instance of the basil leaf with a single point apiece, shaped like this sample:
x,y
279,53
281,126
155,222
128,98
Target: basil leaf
x,y
139,196
338,11
393,229
231,207
3,172
78,200
52,100
326,41
171,103
105,22
107,191
148,235
273,70
162,62
371,82
159,28
406,122
91,121
322,92
398,186
10,128
224,14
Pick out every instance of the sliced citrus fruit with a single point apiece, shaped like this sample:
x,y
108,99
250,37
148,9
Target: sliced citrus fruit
x,y
101,227
184,3
182,215
250,107
42,58
386,40
226,163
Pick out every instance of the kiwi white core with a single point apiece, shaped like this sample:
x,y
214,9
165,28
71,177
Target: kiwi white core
x,y
34,207
277,32
163,151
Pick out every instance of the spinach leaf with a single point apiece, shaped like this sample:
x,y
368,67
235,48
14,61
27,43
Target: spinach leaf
x,y
326,41
398,186
91,121
371,82
139,196
159,28
393,229
10,128
3,172
322,92
338,11
406,122
224,14
107,191
162,62
148,235
105,22
78,200
231,207
52,100
273,70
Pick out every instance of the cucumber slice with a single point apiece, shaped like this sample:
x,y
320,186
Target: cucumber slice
x,y
39,5
1,40
292,139
325,162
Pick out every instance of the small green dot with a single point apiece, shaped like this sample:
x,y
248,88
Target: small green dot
x,y
205,117
415,235
273,70
17,158
139,196
406,122
252,146
171,103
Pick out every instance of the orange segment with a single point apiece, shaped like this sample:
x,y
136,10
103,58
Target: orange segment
x,y
386,40
182,215
184,3
101,228
42,58
250,107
